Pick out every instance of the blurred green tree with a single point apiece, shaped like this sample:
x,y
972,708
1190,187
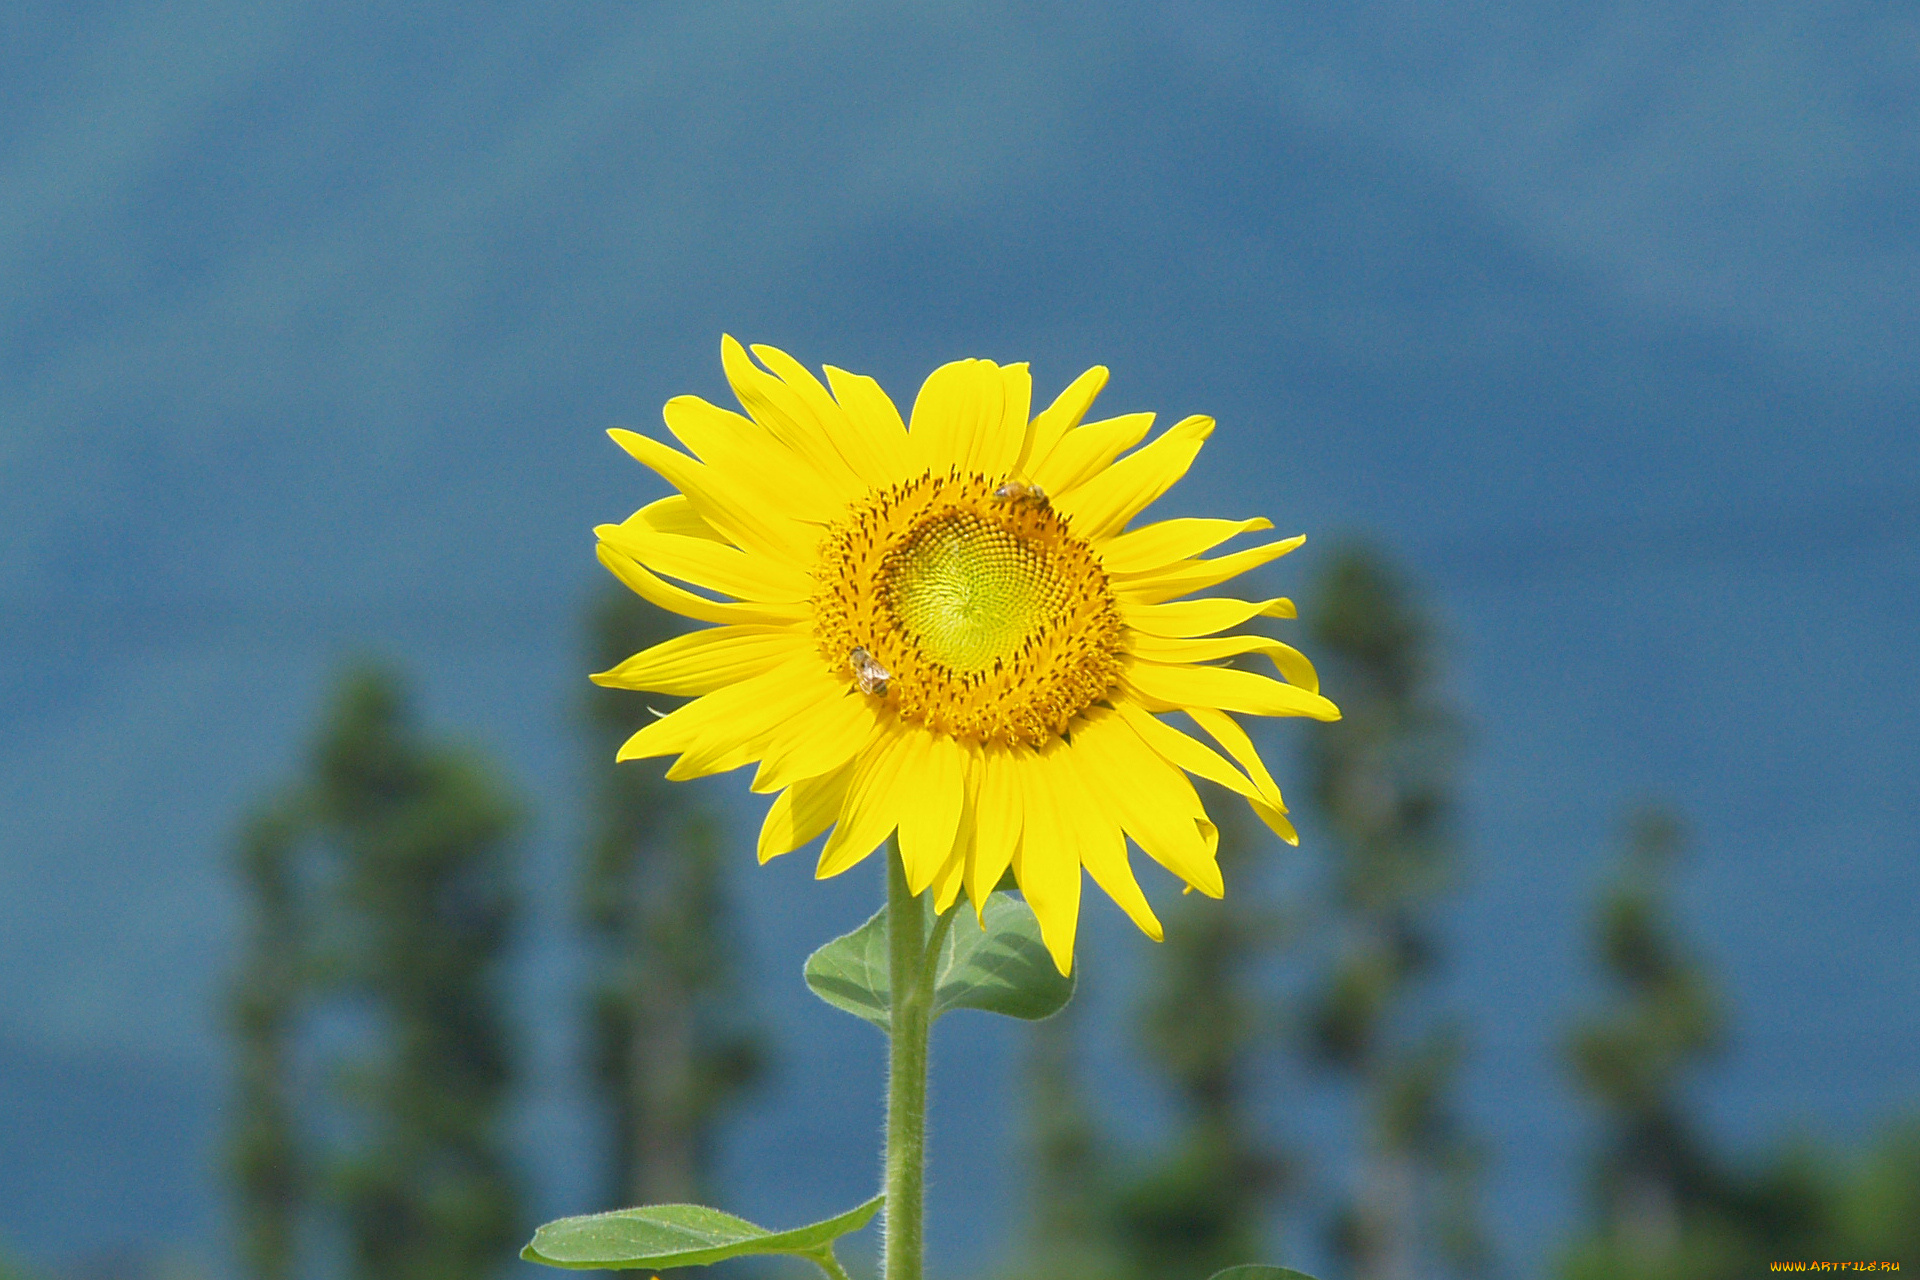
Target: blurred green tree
x,y
1069,1197
671,1049
266,1161
382,896
1877,1212
1205,1202
419,838
1633,1058
1665,1205
1382,779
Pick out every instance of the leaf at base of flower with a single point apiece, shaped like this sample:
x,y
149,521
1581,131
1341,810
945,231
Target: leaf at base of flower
x,y
1254,1271
851,972
679,1235
999,965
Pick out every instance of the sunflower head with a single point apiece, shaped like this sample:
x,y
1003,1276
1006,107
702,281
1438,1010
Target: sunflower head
x,y
943,629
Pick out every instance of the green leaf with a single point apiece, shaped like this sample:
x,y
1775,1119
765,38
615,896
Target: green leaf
x,y
851,971
1259,1273
1000,966
679,1235
1003,967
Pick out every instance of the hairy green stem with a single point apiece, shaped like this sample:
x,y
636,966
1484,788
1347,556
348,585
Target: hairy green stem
x,y
910,990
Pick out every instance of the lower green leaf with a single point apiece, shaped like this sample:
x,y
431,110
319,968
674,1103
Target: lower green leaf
x,y
679,1235
1255,1272
851,972
999,965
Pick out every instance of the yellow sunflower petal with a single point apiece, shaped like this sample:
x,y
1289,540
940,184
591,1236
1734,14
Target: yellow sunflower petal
x,y
702,661
802,812
674,514
880,438
847,437
785,413
959,418
835,729
678,600
1233,739
1151,797
1058,418
1276,820
752,724
998,820
729,501
1287,660
872,807
1202,761
1195,757
1010,442
1196,575
947,884
936,780
1103,845
757,461
712,565
952,877
1087,449
1102,505
1047,862
1155,546
713,719
1229,690
1200,617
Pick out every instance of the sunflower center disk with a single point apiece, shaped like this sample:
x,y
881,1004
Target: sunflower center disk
x,y
968,592
989,620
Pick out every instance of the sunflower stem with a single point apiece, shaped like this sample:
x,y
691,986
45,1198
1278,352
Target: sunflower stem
x,y
910,1008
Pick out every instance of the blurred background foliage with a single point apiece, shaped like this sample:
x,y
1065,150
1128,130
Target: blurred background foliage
x,y
671,1041
375,1056
372,1045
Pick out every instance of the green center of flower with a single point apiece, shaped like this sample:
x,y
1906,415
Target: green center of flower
x,y
968,591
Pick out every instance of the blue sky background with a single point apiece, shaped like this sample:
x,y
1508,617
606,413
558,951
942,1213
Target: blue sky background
x,y
314,314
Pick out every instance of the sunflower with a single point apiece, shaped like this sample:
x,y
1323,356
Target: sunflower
x,y
943,628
